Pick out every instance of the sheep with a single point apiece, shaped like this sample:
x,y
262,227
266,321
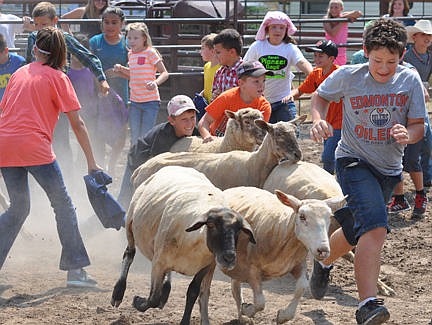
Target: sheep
x,y
171,201
285,229
309,181
234,168
241,134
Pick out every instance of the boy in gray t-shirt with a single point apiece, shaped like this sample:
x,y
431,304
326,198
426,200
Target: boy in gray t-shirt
x,y
384,110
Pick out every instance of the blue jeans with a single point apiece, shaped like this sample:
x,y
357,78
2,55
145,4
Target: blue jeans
x,y
49,177
328,154
126,189
282,111
368,193
142,117
425,157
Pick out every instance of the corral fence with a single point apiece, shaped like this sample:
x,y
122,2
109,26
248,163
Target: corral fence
x,y
176,27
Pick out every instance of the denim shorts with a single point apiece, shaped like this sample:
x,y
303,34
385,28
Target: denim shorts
x,y
282,112
368,193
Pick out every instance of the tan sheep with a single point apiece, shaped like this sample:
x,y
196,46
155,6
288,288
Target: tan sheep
x,y
165,221
241,134
306,180
234,168
285,229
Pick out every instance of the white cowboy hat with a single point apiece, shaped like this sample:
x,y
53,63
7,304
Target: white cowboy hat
x,y
422,26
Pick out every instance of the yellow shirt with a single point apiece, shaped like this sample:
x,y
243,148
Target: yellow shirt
x,y
209,73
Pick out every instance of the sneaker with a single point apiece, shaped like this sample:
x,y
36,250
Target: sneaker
x,y
319,280
372,313
397,206
420,204
80,279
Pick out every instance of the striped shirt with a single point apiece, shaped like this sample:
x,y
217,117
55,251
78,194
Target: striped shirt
x,y
142,67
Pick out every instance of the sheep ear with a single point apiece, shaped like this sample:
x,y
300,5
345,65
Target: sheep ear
x,y
288,200
299,120
247,229
230,114
335,203
263,125
197,225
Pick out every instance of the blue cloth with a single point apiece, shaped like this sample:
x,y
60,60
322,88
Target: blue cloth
x,y
14,62
200,104
49,177
108,210
142,117
368,193
282,111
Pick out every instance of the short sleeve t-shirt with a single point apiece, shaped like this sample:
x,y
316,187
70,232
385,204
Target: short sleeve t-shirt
x,y
279,59
370,109
33,100
142,67
231,100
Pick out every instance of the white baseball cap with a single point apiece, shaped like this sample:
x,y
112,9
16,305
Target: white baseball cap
x,y
180,104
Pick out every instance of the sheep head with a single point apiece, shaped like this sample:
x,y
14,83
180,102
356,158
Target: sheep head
x,y
243,126
312,221
223,229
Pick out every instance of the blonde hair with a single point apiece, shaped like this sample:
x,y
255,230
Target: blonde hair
x,y
208,39
140,27
340,2
43,9
51,43
90,9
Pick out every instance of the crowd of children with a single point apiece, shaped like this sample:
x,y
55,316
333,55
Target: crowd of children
x,y
125,69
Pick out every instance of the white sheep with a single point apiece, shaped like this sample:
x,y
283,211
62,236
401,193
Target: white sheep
x,y
285,229
306,180
241,134
164,221
234,168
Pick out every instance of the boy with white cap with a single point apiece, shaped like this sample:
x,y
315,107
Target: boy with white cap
x,y
181,123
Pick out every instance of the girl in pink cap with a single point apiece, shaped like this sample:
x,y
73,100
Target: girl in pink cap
x,y
276,50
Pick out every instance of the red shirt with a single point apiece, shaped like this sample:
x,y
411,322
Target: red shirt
x,y
311,83
33,100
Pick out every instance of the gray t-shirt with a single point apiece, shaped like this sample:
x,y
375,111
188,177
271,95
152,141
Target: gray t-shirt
x,y
370,109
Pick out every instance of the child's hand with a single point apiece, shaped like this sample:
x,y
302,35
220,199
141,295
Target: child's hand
x,y
117,68
210,138
287,99
151,85
321,130
399,133
104,87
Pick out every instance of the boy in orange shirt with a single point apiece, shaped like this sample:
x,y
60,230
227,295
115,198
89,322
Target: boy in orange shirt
x,y
325,52
249,93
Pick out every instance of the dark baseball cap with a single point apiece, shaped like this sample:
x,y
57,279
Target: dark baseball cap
x,y
253,69
328,47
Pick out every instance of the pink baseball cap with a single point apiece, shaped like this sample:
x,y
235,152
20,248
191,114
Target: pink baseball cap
x,y
180,104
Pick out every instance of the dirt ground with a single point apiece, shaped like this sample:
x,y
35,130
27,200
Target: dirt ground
x,y
33,291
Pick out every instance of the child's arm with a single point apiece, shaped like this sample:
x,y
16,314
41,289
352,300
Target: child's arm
x,y
295,94
88,60
81,134
304,66
163,76
320,128
122,71
332,29
204,127
29,50
410,134
351,15
77,13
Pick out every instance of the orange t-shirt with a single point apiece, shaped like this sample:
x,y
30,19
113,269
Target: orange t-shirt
x,y
33,100
231,100
311,83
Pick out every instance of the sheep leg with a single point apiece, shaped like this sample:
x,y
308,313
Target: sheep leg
x,y
166,289
259,301
192,294
288,313
157,283
237,294
205,294
120,286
